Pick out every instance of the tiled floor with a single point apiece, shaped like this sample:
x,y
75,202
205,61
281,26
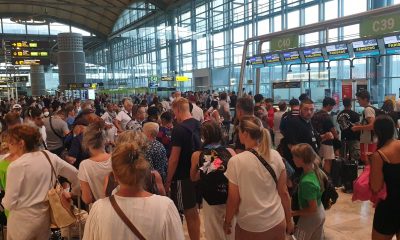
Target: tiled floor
x,y
346,220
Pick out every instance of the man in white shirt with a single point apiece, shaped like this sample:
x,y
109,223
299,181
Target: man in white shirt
x,y
197,112
124,116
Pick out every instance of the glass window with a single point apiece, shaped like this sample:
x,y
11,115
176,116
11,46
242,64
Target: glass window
x,y
201,44
218,39
354,6
331,9
311,15
56,28
38,29
78,30
12,27
238,34
277,23
293,19
187,47
351,32
263,27
311,39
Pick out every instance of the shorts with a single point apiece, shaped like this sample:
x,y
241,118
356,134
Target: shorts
x,y
183,193
366,149
326,152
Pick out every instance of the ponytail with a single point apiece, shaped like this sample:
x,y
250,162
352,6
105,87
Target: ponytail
x,y
265,144
322,177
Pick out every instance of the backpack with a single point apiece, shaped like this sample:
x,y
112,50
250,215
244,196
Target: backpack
x,y
329,196
195,142
378,112
213,184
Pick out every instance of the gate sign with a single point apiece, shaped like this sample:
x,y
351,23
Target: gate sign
x,y
380,25
284,42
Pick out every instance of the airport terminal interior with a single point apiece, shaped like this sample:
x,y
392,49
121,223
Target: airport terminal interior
x,y
200,119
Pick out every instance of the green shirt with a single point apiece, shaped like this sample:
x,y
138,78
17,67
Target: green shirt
x,y
309,189
3,176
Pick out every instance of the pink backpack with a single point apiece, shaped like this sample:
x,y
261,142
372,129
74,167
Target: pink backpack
x,y
362,190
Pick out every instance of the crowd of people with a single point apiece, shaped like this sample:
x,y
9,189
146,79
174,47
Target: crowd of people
x,y
252,168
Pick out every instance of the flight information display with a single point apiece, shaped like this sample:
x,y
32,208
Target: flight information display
x,y
366,48
29,44
392,44
337,51
291,57
272,60
30,61
313,55
256,61
28,53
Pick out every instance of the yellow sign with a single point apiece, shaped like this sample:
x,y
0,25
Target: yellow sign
x,y
182,79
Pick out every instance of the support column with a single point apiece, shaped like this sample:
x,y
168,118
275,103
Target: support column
x,y
38,80
71,59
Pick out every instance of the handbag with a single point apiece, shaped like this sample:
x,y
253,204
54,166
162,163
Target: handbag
x,y
60,208
362,190
125,219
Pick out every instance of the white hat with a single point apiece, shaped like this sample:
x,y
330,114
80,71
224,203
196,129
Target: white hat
x,y
16,106
215,94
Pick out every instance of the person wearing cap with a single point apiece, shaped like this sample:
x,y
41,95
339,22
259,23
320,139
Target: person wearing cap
x,y
76,153
197,112
346,119
17,108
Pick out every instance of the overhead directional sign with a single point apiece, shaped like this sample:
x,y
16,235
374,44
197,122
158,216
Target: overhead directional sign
x,y
28,53
30,61
284,42
380,25
20,79
182,78
29,44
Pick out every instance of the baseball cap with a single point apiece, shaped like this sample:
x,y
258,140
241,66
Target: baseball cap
x,y
16,106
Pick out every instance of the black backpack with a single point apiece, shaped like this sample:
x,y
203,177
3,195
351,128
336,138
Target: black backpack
x,y
195,142
213,184
378,112
329,196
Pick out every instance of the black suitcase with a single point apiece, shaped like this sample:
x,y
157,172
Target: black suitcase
x,y
336,172
350,173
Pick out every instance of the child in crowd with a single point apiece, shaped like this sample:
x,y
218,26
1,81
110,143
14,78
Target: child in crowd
x,y
310,189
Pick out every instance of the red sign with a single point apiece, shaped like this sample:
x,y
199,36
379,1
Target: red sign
x,y
336,96
347,90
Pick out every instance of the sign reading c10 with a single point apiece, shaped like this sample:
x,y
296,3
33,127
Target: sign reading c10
x,y
284,42
380,25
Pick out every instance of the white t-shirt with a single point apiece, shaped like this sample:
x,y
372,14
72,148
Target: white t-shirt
x,y
94,173
365,136
260,206
277,121
124,118
156,217
197,113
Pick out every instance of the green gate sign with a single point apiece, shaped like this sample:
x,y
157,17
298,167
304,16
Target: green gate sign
x,y
377,26
284,42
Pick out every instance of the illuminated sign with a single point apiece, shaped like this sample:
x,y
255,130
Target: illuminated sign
x,y
30,61
291,57
82,85
166,78
272,60
392,44
20,79
29,44
28,53
256,61
366,48
313,55
337,51
182,79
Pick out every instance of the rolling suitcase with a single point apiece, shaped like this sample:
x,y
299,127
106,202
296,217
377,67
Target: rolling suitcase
x,y
349,173
336,171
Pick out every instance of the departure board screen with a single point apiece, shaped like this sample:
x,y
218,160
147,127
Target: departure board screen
x,y
313,55
291,57
366,48
392,44
337,51
256,61
30,44
272,60
30,61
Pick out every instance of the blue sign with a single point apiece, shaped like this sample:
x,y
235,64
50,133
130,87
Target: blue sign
x,y
313,55
392,44
365,48
257,62
291,57
337,51
272,60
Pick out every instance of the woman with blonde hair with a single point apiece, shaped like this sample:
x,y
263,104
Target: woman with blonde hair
x,y
153,216
257,192
311,186
93,170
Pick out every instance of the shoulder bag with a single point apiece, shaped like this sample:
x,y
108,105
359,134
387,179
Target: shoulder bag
x,y
266,165
125,219
60,208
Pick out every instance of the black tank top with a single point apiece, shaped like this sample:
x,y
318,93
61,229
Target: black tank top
x,y
391,175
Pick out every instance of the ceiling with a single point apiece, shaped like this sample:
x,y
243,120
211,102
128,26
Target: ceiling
x,y
96,16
